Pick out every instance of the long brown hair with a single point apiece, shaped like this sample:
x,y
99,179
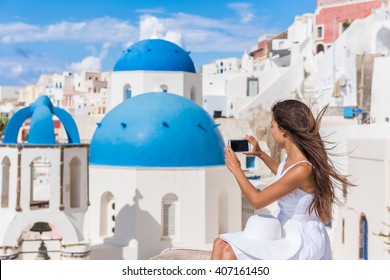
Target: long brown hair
x,y
303,129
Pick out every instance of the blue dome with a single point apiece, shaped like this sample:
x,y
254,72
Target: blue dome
x,y
41,125
155,55
157,130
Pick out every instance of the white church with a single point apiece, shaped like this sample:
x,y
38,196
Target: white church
x,y
153,176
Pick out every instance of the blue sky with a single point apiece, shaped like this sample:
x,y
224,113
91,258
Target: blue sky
x,y
52,36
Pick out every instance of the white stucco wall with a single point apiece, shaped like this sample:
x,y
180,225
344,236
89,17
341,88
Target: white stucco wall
x,y
363,36
179,83
368,166
380,95
69,221
138,195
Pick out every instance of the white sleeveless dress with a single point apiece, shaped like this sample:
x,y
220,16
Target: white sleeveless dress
x,y
315,240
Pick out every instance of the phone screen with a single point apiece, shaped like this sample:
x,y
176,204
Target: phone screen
x,y
239,145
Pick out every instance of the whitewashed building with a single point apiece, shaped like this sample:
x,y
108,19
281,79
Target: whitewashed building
x,y
43,182
154,65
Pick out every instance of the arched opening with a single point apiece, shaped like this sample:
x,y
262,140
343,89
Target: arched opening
x,y
30,242
107,215
126,92
6,164
193,94
75,182
223,213
169,210
320,48
40,183
363,237
383,40
164,88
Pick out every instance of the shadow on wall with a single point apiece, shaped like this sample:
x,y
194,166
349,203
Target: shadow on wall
x,y
137,228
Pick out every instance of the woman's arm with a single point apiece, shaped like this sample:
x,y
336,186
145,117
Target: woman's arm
x,y
295,177
257,151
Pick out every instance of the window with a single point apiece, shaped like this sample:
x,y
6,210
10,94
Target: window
x,y
5,182
126,92
343,231
320,48
250,162
217,114
107,215
320,32
40,183
193,94
169,216
252,87
75,182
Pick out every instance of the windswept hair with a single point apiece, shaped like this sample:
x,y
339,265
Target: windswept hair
x,y
303,129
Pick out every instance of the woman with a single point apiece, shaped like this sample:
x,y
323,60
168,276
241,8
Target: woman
x,y
303,187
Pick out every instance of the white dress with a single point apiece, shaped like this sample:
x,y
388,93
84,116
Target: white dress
x,y
315,240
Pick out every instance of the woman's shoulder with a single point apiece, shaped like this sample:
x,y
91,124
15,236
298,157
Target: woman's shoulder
x,y
300,171
298,166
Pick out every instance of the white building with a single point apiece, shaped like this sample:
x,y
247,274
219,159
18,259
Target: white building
x,y
351,73
237,87
158,158
345,71
156,175
43,182
80,94
154,65
8,100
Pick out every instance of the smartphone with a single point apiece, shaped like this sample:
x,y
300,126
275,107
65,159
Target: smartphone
x,y
239,145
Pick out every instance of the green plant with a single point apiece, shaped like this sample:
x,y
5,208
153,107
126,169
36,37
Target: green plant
x,y
385,234
346,24
3,124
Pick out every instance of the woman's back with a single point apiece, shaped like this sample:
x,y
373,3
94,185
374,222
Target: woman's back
x,y
294,206
296,203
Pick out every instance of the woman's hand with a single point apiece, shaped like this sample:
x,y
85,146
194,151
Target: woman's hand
x,y
256,150
231,160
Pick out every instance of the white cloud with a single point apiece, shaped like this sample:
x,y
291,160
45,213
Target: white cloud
x,y
16,71
104,50
151,11
97,30
91,63
244,10
201,34
175,37
198,33
19,71
150,25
